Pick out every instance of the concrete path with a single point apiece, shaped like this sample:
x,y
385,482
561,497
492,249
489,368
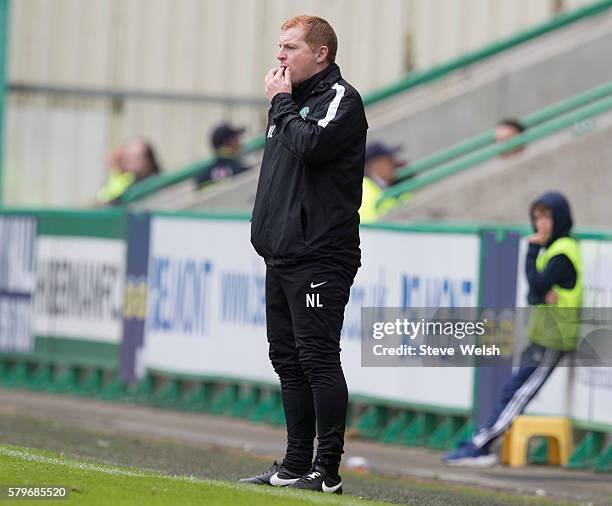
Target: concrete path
x,y
205,430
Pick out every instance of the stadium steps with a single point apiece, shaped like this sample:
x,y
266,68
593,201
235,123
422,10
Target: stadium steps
x,y
526,78
427,110
571,155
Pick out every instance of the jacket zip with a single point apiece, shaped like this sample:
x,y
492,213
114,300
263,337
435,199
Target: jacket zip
x,y
316,91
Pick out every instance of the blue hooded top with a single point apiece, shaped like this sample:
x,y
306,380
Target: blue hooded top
x,y
562,216
559,270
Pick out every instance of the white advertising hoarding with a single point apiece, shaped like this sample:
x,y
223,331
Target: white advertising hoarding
x,y
79,291
206,304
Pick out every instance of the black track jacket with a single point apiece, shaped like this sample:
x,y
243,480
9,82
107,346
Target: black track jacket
x,y
309,189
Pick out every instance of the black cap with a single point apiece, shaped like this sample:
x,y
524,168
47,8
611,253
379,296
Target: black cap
x,y
223,133
376,149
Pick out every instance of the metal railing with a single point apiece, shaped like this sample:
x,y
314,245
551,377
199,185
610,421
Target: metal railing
x,y
412,80
484,139
427,177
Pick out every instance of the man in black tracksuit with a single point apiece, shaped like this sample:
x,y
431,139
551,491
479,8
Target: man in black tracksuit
x,y
305,225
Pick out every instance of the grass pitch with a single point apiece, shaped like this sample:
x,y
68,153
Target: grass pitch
x,y
124,469
93,484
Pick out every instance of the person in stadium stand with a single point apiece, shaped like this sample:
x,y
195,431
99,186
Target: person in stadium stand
x,y
381,164
506,129
133,161
305,225
225,140
554,272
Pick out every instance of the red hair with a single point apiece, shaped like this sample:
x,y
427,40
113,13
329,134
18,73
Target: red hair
x,y
317,33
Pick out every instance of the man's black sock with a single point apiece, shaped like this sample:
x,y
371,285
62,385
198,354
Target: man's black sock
x,y
301,470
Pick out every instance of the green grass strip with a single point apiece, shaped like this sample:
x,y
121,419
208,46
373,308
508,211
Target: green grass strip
x,y
94,484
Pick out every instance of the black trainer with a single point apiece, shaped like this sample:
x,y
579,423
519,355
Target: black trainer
x,y
319,480
277,476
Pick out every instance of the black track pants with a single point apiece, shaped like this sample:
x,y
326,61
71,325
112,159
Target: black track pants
x,y
304,314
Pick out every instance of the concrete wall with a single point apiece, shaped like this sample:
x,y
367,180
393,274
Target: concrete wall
x,y
55,146
575,163
526,79
464,104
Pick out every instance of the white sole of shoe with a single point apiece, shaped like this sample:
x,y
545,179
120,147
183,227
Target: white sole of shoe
x,y
482,461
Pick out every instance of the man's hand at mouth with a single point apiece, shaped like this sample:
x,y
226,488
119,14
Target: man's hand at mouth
x,y
278,81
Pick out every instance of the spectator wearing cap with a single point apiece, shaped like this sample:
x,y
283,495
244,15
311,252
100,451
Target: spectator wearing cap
x,y
381,163
225,140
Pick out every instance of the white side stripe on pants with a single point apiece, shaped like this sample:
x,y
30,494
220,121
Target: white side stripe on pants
x,y
519,399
